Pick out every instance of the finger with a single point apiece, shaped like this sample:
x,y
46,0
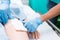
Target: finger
x,y
33,35
36,35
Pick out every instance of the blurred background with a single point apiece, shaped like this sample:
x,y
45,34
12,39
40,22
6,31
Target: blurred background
x,y
39,6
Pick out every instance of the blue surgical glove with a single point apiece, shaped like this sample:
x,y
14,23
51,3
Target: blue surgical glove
x,y
33,24
4,11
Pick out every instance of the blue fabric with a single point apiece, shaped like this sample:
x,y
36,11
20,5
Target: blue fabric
x,y
4,15
51,4
38,5
4,11
33,24
56,1
3,35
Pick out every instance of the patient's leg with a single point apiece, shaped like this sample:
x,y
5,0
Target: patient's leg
x,y
13,34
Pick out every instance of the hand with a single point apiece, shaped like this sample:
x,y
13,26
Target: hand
x,y
33,24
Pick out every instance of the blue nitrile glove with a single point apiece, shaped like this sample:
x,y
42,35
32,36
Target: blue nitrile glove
x,y
4,11
33,24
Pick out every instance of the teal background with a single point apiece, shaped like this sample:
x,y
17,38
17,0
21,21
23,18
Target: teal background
x,y
39,5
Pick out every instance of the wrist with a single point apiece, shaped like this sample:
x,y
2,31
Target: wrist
x,y
43,18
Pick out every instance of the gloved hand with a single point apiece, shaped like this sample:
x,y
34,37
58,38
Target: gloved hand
x,y
33,24
4,11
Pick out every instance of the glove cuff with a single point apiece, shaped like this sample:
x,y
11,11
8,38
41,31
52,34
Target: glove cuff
x,y
38,21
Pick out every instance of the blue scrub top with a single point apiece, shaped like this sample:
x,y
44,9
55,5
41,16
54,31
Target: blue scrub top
x,y
56,1
4,11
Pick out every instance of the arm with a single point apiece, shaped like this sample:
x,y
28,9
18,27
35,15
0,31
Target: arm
x,y
33,24
55,11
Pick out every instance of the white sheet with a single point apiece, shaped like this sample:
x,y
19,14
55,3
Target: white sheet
x,y
46,32
3,35
18,25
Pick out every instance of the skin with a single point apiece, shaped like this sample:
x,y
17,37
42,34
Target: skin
x,y
55,11
17,35
34,35
13,34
